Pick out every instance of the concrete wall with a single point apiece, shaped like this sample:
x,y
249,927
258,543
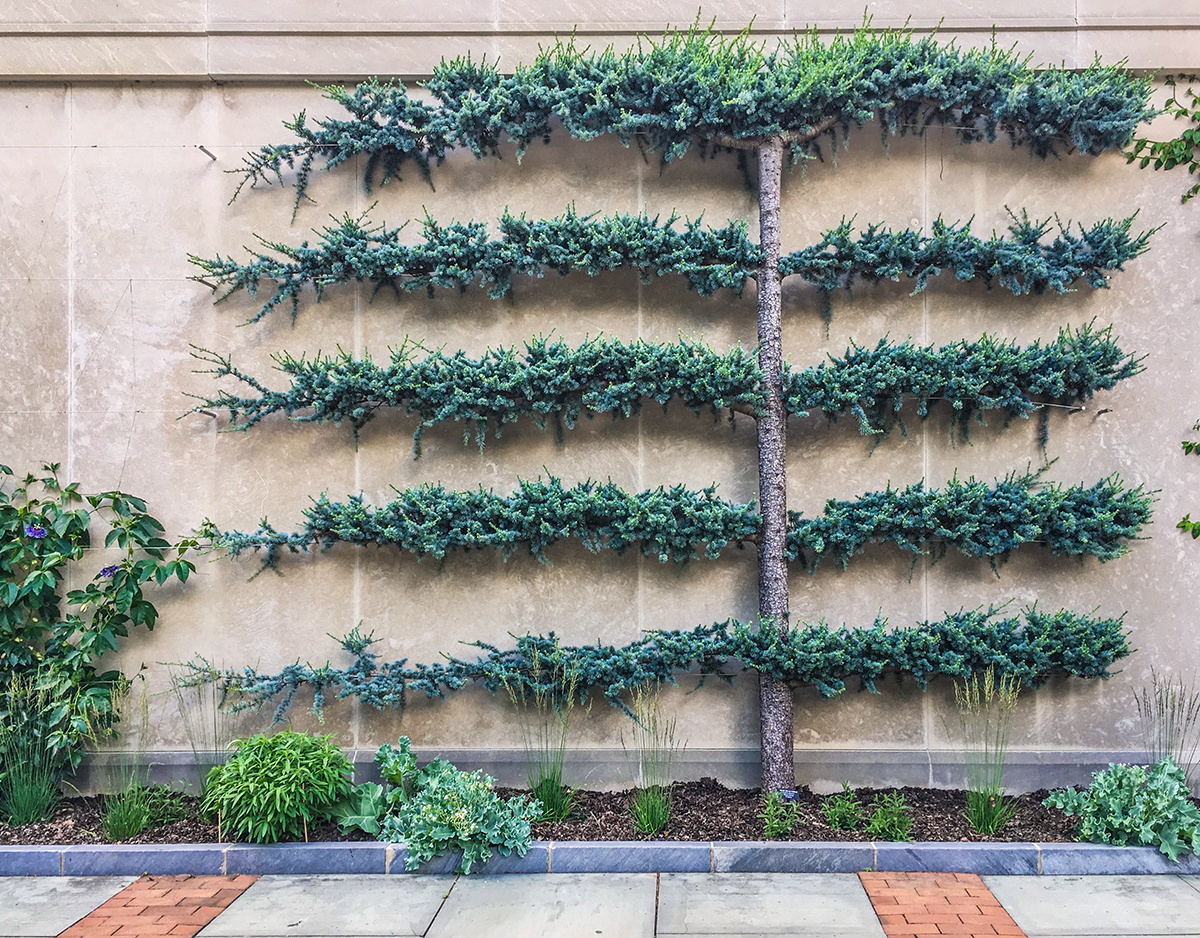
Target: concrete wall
x,y
105,193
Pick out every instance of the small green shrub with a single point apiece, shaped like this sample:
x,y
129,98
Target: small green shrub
x,y
275,786
166,806
843,812
439,809
126,814
29,766
778,816
1133,804
890,819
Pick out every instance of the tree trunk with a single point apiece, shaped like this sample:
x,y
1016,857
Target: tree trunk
x,y
776,697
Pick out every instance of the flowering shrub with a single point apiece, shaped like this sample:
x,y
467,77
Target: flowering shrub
x,y
438,809
44,526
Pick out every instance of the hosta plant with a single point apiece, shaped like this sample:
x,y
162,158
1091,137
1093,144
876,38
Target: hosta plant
x,y
438,809
1133,804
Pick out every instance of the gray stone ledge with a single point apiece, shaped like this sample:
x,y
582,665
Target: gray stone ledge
x,y
598,857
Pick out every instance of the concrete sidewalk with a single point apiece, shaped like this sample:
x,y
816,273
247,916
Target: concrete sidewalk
x,y
632,905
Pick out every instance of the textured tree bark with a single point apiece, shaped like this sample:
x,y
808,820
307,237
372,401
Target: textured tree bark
x,y
775,696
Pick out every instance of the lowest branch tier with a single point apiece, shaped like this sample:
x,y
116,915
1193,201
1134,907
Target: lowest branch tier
x,y
961,644
699,87
551,380
977,519
458,254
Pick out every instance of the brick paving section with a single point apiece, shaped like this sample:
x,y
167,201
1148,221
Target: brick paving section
x,y
161,905
917,905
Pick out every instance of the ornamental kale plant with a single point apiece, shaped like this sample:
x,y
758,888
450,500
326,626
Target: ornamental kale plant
x,y
274,787
44,527
437,809
1028,648
1132,804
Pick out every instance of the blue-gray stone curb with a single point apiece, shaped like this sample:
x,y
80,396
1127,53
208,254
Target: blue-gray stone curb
x,y
596,857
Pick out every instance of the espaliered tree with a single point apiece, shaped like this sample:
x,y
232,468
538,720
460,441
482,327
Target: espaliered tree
x,y
767,109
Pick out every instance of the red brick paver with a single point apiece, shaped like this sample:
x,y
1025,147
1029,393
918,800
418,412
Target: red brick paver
x,y
161,905
919,905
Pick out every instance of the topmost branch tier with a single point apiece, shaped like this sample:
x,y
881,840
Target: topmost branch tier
x,y
703,88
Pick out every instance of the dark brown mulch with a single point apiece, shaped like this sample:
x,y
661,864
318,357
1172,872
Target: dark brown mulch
x,y
707,810
704,810
79,821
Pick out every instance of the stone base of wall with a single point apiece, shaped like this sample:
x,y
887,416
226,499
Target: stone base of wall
x,y
823,770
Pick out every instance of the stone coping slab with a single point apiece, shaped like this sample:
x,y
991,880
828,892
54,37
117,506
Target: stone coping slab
x,y
604,856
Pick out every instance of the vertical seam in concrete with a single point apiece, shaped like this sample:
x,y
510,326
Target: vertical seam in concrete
x,y
441,906
712,857
389,854
1039,862
657,887
225,862
70,460
550,857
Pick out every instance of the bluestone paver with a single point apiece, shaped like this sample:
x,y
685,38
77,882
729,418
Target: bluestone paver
x,y
804,905
35,906
551,905
361,905
1092,906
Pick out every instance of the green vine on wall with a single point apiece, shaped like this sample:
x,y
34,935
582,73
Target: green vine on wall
x,y
553,381
1186,523
976,519
458,254
1183,150
698,87
961,644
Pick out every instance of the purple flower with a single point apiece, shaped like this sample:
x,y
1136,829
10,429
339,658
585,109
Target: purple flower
x,y
36,531
107,572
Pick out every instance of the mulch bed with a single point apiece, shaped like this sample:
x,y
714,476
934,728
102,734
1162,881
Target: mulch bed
x,y
707,810
704,810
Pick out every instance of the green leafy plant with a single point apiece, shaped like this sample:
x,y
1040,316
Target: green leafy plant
x,y
889,819
274,787
657,749
544,704
29,771
985,707
1169,712
438,809
1029,647
360,809
166,806
127,810
1183,150
44,528
1187,524
778,816
1133,804
843,811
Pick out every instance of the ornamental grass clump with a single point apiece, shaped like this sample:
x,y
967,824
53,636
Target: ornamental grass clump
x,y
1169,711
275,787
985,708
657,749
29,771
438,809
1133,804
544,699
